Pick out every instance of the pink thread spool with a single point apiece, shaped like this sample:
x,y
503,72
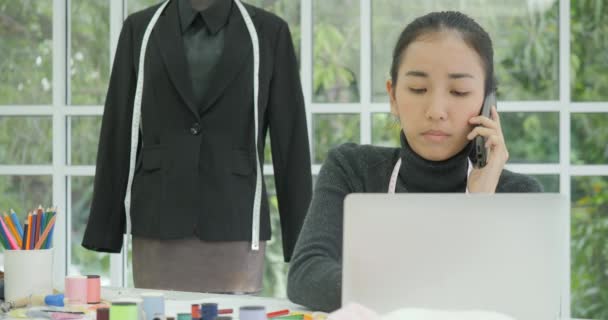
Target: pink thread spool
x,y
76,289
93,289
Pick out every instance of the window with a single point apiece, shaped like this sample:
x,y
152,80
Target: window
x,y
553,99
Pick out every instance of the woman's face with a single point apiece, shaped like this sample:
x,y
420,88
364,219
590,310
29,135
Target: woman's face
x,y
440,86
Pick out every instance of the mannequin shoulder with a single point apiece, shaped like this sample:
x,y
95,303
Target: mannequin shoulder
x,y
266,19
142,17
137,22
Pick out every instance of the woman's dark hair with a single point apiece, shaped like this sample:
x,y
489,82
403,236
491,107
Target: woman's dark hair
x,y
472,33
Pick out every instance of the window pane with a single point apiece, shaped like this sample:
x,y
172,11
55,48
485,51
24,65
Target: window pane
x,y
385,130
26,32
589,39
25,193
336,56
289,10
589,244
84,261
550,182
90,51
84,137
267,151
525,35
531,137
26,140
331,130
137,5
589,138
275,269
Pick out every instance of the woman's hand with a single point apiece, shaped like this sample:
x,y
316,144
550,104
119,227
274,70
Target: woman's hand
x,y
485,179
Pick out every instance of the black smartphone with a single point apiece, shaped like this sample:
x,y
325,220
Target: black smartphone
x,y
479,156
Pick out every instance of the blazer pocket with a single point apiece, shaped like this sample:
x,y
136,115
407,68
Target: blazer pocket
x,y
243,162
152,158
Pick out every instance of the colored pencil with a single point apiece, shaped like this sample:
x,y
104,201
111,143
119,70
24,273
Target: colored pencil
x,y
4,239
12,229
49,239
11,240
43,222
25,230
279,313
30,218
38,226
16,223
45,234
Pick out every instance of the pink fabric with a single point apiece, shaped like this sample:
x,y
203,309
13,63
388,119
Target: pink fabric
x,y
66,316
354,311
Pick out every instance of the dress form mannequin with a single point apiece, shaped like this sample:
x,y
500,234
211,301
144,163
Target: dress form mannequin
x,y
204,266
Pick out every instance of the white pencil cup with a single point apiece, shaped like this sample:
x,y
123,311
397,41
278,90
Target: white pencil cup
x,y
27,272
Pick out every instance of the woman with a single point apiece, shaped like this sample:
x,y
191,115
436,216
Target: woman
x,y
441,71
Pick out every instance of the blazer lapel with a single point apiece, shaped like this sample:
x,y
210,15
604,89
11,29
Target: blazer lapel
x,y
171,46
236,54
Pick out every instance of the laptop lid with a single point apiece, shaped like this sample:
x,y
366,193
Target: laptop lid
x,y
506,253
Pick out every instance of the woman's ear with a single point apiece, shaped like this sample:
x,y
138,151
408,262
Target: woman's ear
x,y
390,90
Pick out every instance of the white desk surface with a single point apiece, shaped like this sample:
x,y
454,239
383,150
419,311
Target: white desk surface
x,y
180,302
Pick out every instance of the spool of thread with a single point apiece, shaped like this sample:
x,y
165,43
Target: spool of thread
x,y
195,311
252,313
76,289
183,316
208,311
56,300
103,314
153,304
124,311
93,289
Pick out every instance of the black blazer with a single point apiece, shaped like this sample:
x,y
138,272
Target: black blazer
x,y
195,170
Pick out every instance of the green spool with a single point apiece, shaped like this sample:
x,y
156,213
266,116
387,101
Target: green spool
x,y
123,311
184,316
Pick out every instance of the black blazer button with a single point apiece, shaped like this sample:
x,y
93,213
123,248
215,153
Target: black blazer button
x,y
195,129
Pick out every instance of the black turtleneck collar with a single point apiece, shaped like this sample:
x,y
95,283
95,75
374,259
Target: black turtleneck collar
x,y
422,175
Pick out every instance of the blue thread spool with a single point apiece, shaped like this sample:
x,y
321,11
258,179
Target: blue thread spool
x,y
208,311
252,313
153,304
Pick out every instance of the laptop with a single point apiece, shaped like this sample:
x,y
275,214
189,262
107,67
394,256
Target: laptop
x,y
505,253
